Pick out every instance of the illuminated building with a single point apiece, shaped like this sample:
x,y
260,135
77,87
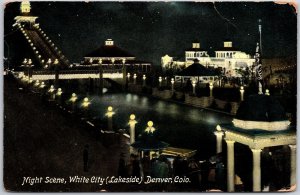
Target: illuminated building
x,y
228,58
111,56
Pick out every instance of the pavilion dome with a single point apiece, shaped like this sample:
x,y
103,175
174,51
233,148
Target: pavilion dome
x,y
262,112
197,69
109,49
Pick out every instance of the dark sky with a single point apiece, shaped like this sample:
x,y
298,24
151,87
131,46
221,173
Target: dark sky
x,y
150,30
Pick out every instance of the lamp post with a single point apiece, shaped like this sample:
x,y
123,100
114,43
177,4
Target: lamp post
x,y
211,86
37,83
242,93
109,115
132,123
59,92
267,92
194,86
134,78
28,64
144,80
128,77
150,128
51,91
42,85
56,69
124,73
219,135
172,84
85,104
58,95
159,80
73,100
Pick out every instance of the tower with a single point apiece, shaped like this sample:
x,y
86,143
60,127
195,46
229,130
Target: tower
x,y
25,16
25,7
227,44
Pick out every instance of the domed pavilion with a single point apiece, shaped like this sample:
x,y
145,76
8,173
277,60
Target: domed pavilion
x,y
260,122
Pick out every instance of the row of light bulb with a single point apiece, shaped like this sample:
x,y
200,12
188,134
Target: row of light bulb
x,y
85,103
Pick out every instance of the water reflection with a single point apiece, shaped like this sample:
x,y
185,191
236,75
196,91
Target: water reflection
x,y
179,125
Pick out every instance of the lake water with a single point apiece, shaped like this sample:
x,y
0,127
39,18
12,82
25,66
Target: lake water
x,y
179,125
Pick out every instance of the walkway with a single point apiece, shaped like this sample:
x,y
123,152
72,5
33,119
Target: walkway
x,y
40,140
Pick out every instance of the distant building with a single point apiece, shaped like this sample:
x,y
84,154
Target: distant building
x,y
228,58
169,62
111,56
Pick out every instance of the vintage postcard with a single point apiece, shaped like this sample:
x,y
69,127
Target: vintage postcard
x,y
150,96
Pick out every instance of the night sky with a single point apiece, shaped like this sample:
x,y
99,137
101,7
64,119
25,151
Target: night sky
x,y
153,29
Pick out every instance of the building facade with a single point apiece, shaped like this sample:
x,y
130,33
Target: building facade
x,y
228,58
111,56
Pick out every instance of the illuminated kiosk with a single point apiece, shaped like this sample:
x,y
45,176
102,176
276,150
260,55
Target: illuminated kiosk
x,y
260,122
196,72
148,141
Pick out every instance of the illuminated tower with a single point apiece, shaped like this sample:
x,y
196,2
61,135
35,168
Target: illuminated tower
x,y
25,7
25,16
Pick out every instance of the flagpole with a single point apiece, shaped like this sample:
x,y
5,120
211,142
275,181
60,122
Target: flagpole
x,y
258,61
259,28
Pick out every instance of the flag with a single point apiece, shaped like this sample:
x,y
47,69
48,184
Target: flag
x,y
258,65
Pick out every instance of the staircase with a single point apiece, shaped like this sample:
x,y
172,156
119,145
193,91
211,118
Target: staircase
x,y
42,46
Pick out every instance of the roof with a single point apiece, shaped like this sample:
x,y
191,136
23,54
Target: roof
x,y
149,141
195,49
197,69
109,51
261,108
227,49
178,152
257,132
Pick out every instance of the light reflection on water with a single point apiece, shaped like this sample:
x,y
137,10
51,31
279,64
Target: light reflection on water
x,y
179,125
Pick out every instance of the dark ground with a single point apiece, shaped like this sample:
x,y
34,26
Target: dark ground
x,y
41,140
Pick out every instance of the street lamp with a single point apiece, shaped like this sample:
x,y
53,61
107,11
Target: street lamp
x,y
28,65
134,78
132,123
58,95
37,83
85,102
211,86
42,85
59,92
128,77
159,80
219,134
172,84
267,92
51,91
242,93
109,115
73,100
144,80
194,86
150,128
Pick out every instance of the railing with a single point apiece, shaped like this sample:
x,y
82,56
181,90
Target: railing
x,y
47,72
